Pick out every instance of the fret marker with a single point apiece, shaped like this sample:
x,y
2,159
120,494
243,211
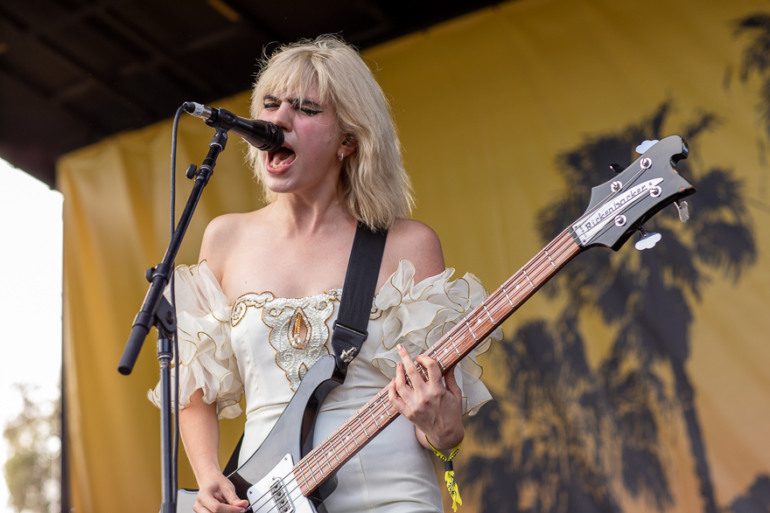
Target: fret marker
x,y
507,296
467,325
488,314
549,258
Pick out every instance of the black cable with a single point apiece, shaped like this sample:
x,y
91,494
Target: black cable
x,y
175,345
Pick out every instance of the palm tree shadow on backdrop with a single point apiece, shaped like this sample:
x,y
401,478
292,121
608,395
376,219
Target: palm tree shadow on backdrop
x,y
756,63
585,433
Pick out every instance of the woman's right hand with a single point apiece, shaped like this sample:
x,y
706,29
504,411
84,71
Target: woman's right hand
x,y
217,495
200,434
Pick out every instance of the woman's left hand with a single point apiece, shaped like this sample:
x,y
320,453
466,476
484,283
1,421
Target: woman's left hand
x,y
433,406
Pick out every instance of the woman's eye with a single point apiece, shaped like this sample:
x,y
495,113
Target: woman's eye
x,y
310,112
271,105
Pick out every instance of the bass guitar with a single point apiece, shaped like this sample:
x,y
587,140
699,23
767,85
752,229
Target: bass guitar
x,y
285,475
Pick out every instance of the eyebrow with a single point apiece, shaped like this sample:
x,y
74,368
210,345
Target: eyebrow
x,y
307,103
295,101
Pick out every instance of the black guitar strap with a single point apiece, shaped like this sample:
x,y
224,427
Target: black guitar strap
x,y
355,306
357,295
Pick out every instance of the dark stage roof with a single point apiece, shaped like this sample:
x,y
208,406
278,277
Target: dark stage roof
x,y
75,71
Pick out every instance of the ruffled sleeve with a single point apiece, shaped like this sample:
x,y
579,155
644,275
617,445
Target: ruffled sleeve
x,y
206,358
417,315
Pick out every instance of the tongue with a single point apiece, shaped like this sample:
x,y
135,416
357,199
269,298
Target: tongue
x,y
281,155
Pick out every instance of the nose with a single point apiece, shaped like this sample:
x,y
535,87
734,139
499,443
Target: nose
x,y
281,116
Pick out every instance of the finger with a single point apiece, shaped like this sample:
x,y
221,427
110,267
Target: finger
x,y
216,502
409,367
400,379
402,386
228,490
432,368
416,376
225,508
208,502
395,401
451,382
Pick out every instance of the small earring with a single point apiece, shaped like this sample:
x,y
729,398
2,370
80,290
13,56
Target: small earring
x,y
340,156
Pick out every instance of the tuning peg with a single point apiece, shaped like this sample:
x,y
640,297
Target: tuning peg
x,y
647,240
616,167
645,145
683,210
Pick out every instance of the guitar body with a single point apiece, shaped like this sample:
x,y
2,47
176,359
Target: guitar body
x,y
289,440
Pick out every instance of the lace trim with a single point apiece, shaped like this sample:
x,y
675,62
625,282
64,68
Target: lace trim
x,y
298,328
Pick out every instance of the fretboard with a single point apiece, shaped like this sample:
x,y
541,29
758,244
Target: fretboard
x,y
325,459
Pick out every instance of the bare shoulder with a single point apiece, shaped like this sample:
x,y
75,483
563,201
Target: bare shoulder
x,y
220,236
417,242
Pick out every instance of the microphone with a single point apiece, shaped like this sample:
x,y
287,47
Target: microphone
x,y
260,134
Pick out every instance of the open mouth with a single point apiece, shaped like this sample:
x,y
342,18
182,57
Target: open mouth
x,y
280,159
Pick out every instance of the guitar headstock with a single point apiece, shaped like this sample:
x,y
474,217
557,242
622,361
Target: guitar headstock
x,y
619,206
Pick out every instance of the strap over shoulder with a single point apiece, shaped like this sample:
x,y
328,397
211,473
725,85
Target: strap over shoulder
x,y
356,304
357,295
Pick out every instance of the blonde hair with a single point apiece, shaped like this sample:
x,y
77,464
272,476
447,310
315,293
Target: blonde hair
x,y
374,183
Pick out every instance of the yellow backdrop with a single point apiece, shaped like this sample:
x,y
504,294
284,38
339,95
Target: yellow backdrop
x,y
648,392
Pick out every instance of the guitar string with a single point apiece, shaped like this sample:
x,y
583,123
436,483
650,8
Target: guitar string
x,y
310,463
441,348
379,405
332,445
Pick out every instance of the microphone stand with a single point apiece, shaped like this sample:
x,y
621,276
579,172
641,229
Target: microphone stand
x,y
156,311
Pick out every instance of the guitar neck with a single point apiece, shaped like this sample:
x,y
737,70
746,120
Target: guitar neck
x,y
324,460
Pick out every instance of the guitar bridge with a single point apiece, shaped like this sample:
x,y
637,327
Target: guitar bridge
x,y
279,492
281,500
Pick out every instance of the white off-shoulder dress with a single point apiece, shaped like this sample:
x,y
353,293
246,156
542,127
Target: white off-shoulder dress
x,y
262,345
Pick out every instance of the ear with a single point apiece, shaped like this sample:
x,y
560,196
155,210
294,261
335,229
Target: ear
x,y
348,145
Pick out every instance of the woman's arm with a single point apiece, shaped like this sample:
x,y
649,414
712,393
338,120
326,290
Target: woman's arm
x,y
200,433
198,421
435,406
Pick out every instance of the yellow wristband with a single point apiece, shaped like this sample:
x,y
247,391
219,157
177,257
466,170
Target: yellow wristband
x,y
449,473
441,455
